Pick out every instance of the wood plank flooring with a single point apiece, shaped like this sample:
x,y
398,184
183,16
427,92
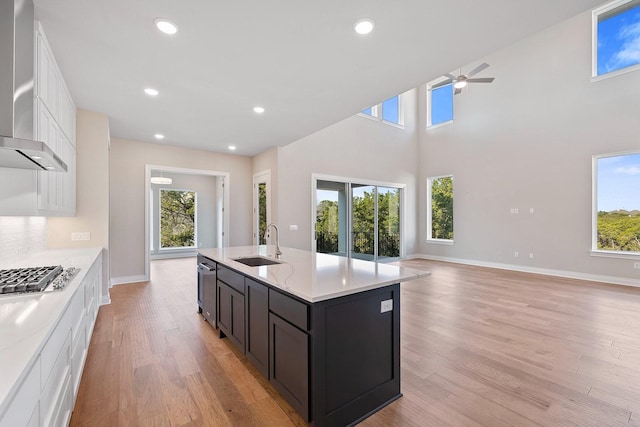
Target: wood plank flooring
x,y
480,347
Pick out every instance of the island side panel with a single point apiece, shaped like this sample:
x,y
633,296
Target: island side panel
x,y
355,356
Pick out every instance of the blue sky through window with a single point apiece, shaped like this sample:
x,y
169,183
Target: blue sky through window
x,y
368,111
619,183
390,110
441,104
619,40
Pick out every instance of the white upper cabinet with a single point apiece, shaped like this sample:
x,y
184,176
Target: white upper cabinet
x,y
45,193
51,89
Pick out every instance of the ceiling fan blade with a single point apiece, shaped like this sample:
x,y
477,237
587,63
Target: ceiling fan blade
x,y
457,91
476,70
481,80
442,83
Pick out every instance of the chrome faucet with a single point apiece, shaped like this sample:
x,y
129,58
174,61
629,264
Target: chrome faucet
x,y
266,237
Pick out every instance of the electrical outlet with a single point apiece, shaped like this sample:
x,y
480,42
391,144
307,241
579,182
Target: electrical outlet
x,y
636,265
530,254
293,227
531,210
386,305
77,236
515,254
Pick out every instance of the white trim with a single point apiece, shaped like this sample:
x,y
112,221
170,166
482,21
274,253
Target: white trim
x,y
545,271
259,178
105,300
348,180
615,254
595,13
429,103
190,253
430,238
440,242
147,177
594,208
128,279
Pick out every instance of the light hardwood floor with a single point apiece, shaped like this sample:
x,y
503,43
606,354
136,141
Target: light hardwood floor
x,y
480,347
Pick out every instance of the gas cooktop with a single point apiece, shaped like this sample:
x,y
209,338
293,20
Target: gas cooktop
x,y
35,279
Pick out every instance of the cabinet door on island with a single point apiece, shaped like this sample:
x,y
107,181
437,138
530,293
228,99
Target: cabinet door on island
x,y
257,333
231,314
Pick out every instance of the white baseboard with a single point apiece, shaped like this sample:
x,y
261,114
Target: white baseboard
x,y
105,300
128,279
170,255
546,271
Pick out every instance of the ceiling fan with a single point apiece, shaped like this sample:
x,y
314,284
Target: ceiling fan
x,y
463,79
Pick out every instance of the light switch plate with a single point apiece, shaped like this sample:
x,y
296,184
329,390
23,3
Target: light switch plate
x,y
386,305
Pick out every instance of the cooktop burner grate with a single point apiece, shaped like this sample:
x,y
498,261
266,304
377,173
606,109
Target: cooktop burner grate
x,y
33,279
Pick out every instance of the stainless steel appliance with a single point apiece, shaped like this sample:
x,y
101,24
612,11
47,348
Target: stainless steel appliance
x,y
35,279
17,147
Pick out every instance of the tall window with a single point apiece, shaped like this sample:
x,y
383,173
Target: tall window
x,y
440,209
616,29
177,218
439,104
617,201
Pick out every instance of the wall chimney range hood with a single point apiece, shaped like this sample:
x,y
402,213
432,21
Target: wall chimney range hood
x,y
17,147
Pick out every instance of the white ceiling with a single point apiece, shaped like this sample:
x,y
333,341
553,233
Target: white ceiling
x,y
299,59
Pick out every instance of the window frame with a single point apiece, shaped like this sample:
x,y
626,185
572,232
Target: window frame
x,y
595,14
430,238
429,102
164,249
594,211
376,112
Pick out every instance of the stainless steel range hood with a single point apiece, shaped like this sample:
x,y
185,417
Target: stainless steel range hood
x,y
17,147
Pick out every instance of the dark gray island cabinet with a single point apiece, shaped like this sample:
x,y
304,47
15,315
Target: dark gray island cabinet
x,y
336,360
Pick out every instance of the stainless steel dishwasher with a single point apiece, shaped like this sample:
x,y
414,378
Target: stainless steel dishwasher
x,y
207,289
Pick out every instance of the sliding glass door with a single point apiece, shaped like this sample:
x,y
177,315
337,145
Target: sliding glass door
x,y
331,217
363,221
365,224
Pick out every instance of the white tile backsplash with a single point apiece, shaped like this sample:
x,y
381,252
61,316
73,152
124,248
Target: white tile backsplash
x,y
21,235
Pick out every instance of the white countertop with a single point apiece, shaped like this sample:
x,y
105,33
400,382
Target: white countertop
x,y
312,276
27,320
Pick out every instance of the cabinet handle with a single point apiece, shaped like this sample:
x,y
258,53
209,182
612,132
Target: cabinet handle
x,y
205,267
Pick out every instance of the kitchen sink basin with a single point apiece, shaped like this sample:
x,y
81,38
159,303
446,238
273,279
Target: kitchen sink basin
x,y
257,261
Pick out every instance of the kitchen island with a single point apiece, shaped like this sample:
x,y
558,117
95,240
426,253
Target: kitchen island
x,y
323,329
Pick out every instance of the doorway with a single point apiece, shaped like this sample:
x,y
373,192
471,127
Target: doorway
x,y
184,211
261,206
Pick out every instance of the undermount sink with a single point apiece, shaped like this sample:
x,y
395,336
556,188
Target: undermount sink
x,y
256,261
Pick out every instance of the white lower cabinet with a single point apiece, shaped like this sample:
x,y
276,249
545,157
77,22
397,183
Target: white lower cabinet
x,y
48,392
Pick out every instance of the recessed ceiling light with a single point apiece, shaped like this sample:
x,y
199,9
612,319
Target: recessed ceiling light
x,y
159,136
258,109
232,147
364,26
151,91
166,26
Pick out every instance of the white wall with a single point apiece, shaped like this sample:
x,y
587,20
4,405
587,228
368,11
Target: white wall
x,y
92,192
206,199
20,236
268,160
526,141
127,171
358,148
